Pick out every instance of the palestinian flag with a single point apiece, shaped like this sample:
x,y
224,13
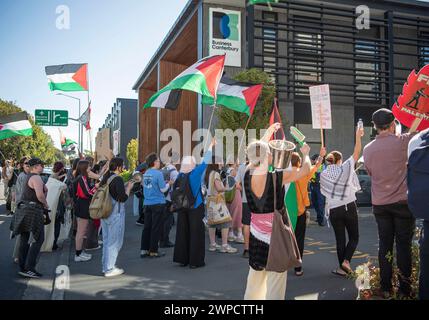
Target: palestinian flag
x,y
15,124
203,77
68,77
275,117
267,2
85,119
253,2
291,203
65,143
237,96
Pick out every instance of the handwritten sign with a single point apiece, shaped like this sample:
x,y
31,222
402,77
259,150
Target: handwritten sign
x,y
321,107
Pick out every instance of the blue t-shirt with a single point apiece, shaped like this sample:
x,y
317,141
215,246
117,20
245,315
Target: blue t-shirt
x,y
153,182
196,176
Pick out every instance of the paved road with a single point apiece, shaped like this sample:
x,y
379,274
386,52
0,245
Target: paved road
x,y
12,286
224,276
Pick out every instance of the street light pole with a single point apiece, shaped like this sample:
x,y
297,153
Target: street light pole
x,y
80,133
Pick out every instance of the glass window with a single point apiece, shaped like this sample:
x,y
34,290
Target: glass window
x,y
367,71
306,64
423,49
270,44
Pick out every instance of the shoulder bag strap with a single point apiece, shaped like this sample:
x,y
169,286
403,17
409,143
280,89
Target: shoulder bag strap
x,y
275,189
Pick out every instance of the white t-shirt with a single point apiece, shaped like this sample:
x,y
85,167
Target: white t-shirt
x,y
240,178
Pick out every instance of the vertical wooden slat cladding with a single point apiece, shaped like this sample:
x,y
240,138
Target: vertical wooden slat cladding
x,y
187,110
147,125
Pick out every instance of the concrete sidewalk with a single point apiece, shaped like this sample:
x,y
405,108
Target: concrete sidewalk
x,y
223,277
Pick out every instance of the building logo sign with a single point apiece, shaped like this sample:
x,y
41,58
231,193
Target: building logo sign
x,y
225,35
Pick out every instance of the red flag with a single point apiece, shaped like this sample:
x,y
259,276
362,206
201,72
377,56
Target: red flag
x,y
413,103
275,117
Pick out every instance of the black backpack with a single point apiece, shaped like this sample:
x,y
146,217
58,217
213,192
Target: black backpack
x,y
182,197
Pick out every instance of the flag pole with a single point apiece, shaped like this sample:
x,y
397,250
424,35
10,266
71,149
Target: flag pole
x,y
215,100
244,135
87,75
321,127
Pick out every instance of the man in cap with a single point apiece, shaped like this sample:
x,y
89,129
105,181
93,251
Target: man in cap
x,y
386,162
30,219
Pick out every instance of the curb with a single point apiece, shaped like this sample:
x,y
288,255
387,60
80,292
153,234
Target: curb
x,y
61,281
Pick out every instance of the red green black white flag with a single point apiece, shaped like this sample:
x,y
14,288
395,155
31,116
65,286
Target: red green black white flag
x,y
203,78
68,77
15,124
238,96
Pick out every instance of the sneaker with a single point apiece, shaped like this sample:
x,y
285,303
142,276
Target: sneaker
x,y
214,247
92,249
231,238
144,254
114,272
100,242
139,223
86,254
82,258
228,249
156,254
31,274
239,239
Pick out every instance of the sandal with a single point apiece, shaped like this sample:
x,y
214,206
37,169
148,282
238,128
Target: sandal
x,y
346,270
299,273
336,272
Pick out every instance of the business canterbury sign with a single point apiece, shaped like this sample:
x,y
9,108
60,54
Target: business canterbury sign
x,y
225,35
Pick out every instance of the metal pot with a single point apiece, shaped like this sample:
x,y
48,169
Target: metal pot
x,y
281,151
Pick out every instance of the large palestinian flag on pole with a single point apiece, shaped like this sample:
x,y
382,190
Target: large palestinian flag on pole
x,y
237,96
203,77
15,124
68,77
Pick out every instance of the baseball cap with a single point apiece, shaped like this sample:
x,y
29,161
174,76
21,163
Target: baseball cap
x,y
34,162
383,117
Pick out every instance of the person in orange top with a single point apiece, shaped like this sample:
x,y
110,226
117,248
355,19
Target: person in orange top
x,y
303,200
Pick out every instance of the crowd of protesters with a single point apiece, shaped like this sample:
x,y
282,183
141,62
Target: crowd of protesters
x,y
247,194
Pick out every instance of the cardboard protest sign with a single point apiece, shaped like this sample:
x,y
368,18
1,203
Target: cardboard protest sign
x,y
412,106
321,107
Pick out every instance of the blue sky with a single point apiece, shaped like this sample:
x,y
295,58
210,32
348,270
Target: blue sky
x,y
116,38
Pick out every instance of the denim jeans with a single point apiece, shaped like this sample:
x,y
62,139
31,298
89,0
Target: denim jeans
x,y
113,235
424,263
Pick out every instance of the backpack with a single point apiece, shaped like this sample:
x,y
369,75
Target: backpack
x,y
418,180
182,197
101,203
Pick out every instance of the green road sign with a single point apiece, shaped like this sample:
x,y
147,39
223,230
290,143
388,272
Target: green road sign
x,y
52,118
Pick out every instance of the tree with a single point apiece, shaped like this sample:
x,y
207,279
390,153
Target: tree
x,y
39,145
132,152
229,119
